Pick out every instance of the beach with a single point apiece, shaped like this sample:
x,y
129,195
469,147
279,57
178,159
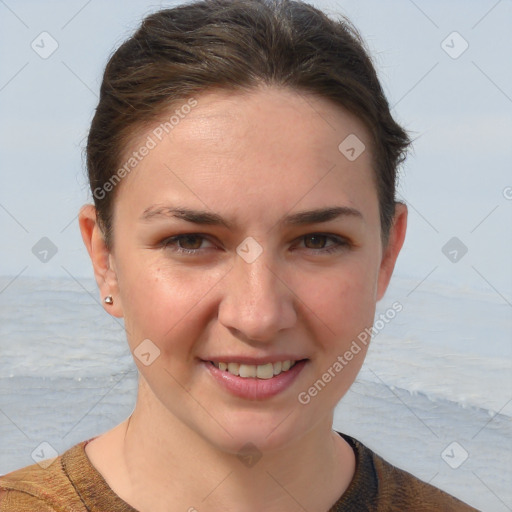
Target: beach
x,y
433,396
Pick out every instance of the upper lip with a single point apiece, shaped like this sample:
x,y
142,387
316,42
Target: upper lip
x,y
254,360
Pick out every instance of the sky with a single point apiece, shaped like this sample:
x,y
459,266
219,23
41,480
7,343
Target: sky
x,y
445,70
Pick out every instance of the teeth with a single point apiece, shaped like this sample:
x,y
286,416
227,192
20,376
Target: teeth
x,y
261,371
233,368
265,371
247,370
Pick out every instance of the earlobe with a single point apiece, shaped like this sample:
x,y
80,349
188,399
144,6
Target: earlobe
x,y
392,250
101,258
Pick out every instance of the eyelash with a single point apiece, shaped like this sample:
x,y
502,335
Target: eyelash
x,y
172,243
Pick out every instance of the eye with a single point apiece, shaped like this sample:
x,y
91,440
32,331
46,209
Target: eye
x,y
189,243
192,243
317,242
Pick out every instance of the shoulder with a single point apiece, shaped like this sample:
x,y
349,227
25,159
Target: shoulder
x,y
39,487
399,486
388,488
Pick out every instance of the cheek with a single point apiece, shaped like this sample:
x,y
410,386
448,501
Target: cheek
x,y
346,305
342,300
164,305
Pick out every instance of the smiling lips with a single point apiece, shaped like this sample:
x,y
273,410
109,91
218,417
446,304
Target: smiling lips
x,y
255,381
260,371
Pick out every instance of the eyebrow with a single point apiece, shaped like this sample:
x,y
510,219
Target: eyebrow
x,y
212,219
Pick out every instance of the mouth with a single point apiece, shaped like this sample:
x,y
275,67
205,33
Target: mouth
x,y
258,371
255,381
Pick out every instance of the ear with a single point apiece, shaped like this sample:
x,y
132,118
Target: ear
x,y
391,251
101,258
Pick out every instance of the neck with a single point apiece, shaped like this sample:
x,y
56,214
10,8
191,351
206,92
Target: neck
x,y
160,460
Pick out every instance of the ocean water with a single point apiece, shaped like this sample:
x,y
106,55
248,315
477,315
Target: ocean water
x,y
434,396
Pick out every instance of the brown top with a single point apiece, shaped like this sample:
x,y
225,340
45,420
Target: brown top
x,y
72,484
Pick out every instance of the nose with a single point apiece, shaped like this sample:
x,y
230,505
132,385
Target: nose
x,y
257,303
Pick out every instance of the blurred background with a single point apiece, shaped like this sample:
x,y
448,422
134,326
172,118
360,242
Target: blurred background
x,y
435,393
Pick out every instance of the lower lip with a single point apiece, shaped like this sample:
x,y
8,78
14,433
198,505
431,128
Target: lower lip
x,y
252,388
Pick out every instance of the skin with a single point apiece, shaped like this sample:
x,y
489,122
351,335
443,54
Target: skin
x,y
252,158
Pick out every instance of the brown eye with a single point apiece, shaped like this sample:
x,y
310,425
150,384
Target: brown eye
x,y
318,241
323,244
190,242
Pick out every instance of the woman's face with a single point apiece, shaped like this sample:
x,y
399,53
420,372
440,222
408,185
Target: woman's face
x,y
216,260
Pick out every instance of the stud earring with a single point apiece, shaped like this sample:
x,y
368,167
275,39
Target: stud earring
x,y
108,300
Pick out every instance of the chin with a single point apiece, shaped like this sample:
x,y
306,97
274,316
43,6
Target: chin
x,y
267,432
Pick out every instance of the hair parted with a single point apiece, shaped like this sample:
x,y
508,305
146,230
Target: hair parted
x,y
237,45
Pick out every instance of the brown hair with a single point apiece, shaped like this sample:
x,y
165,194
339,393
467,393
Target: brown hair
x,y
237,45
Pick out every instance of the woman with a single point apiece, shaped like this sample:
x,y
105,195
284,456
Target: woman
x,y
242,160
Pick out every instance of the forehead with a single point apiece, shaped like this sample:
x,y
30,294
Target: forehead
x,y
229,116
298,114
252,142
